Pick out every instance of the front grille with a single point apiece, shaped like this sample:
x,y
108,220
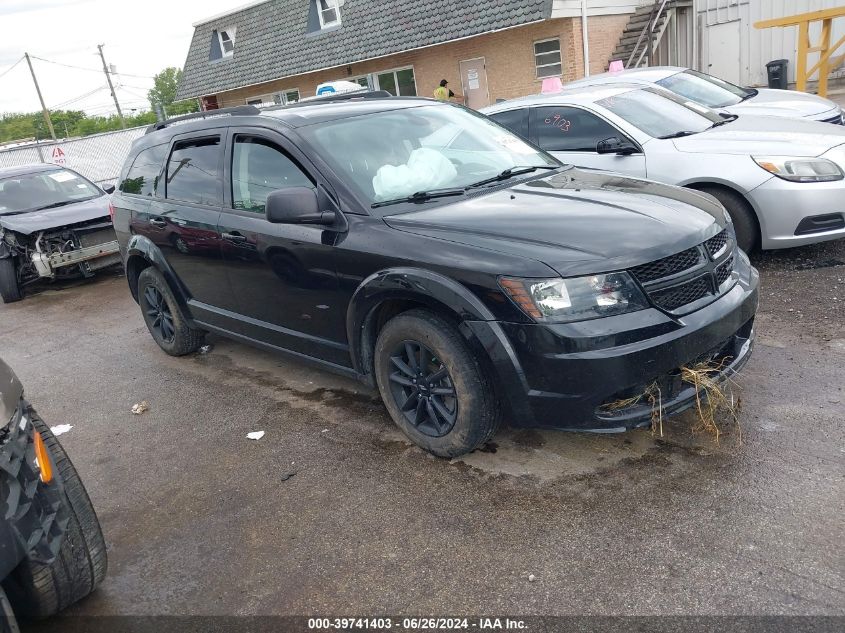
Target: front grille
x,y
836,119
723,272
690,276
681,295
667,266
716,243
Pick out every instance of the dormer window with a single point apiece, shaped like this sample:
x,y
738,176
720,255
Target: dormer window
x,y
227,41
329,12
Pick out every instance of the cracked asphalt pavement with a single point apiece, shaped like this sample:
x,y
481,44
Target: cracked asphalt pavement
x,y
333,512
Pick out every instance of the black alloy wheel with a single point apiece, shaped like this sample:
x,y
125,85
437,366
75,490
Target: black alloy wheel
x,y
423,389
161,319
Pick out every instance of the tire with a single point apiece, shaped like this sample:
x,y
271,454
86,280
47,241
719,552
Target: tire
x,y
163,316
745,222
473,412
39,590
10,291
8,623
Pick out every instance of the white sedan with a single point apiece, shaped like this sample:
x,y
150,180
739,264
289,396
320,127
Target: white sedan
x,y
782,182
724,96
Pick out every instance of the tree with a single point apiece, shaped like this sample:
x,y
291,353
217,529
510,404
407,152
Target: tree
x,y
164,89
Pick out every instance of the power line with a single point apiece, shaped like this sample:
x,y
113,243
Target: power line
x,y
10,68
79,98
92,70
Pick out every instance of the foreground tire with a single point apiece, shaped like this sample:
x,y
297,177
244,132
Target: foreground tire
x,y
9,289
38,590
433,385
745,222
164,317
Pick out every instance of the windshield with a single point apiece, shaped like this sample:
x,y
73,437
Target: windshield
x,y
28,192
660,114
395,154
704,89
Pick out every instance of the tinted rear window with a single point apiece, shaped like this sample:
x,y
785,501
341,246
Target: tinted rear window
x,y
193,171
515,120
143,176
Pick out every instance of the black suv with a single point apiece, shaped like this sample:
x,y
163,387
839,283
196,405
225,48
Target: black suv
x,y
52,551
422,248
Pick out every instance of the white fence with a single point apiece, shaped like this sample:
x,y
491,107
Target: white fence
x,y
98,157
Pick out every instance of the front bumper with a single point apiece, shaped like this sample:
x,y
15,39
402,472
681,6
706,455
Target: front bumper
x,y
563,376
786,211
34,517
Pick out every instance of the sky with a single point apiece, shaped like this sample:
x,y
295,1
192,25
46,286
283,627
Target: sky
x,y
140,38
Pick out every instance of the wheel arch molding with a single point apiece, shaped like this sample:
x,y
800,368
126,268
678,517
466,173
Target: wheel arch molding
x,y
410,287
142,252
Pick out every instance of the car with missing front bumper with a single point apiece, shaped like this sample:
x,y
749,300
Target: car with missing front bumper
x,y
52,551
54,224
426,251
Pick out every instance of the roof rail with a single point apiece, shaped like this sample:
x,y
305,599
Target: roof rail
x,y
206,114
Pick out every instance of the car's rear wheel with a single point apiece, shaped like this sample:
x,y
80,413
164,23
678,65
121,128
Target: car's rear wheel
x,y
10,290
38,590
745,222
163,316
433,385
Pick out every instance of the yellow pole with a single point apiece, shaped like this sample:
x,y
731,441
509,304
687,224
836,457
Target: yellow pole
x,y
824,69
801,65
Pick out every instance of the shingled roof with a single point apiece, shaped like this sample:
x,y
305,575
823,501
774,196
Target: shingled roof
x,y
273,38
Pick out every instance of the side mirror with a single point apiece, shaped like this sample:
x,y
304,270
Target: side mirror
x,y
297,205
615,145
109,189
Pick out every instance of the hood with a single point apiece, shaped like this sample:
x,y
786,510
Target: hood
x,y
11,391
754,135
785,103
577,221
78,212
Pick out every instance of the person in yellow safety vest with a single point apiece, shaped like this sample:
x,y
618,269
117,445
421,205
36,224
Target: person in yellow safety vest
x,y
442,93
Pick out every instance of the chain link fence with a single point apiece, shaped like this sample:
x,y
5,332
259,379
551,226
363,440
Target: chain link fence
x,y
98,157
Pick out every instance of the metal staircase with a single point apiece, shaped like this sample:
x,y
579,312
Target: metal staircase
x,y
644,32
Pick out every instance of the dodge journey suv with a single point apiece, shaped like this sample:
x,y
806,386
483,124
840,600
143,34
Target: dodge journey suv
x,y
425,250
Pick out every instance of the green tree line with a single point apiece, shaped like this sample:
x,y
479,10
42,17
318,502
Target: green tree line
x,y
71,123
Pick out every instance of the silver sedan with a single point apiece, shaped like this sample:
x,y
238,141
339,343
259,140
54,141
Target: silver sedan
x,y
782,182
724,96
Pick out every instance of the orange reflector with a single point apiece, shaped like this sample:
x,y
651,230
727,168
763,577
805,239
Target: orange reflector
x,y
516,290
42,458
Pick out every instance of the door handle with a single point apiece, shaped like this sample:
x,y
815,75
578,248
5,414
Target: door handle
x,y
234,237
158,222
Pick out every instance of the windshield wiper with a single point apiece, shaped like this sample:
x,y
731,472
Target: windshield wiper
x,y
510,173
678,134
421,196
57,204
752,92
727,119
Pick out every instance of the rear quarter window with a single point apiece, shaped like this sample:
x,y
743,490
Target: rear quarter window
x,y
143,176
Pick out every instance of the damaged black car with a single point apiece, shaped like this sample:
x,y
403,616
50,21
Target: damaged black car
x,y
52,551
54,224
427,251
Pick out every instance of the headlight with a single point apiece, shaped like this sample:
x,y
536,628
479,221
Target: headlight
x,y
576,299
800,169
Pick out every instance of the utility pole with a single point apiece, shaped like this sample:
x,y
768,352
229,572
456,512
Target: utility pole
x,y
44,109
111,87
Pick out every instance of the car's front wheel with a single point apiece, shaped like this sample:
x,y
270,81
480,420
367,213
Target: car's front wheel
x,y
10,290
433,385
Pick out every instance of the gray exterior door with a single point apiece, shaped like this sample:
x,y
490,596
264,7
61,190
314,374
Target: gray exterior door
x,y
474,83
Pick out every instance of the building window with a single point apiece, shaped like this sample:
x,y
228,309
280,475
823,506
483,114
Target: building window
x,y
227,41
399,83
329,12
276,98
547,58
361,81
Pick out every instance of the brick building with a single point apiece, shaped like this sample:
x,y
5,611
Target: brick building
x,y
280,50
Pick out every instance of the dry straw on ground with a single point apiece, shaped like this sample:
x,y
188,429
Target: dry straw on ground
x,y
714,400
